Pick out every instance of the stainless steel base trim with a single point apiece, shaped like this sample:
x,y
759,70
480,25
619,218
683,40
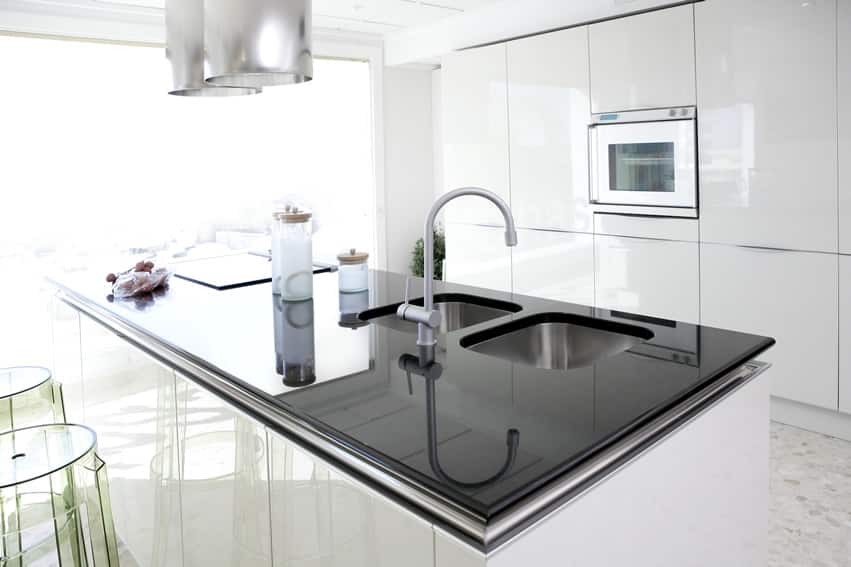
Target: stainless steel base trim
x,y
419,499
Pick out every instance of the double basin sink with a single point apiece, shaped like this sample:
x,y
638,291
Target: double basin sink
x,y
555,341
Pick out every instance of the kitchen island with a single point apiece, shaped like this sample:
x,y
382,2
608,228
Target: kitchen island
x,y
243,430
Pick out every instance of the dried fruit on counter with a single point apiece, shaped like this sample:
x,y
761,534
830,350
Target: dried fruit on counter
x,y
141,278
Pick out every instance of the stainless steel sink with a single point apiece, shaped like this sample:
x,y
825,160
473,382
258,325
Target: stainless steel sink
x,y
556,341
458,310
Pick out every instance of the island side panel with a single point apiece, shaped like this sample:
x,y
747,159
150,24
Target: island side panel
x,y
130,403
224,482
320,516
699,498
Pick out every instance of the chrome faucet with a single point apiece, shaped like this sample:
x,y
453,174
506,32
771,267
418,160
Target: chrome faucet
x,y
427,317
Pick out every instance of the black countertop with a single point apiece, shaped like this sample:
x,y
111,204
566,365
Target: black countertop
x,y
364,400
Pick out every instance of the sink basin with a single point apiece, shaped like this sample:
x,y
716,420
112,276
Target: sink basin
x,y
458,311
556,341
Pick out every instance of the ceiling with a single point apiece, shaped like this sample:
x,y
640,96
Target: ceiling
x,y
369,16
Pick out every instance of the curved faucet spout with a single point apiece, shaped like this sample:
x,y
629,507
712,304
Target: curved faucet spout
x,y
423,316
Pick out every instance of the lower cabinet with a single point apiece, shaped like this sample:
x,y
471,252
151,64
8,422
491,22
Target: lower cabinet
x,y
554,265
129,401
845,334
322,518
659,278
791,296
224,482
477,256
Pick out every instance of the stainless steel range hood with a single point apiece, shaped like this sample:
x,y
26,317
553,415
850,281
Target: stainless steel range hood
x,y
258,43
185,51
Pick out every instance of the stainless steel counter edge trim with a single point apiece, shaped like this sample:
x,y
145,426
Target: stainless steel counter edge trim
x,y
420,499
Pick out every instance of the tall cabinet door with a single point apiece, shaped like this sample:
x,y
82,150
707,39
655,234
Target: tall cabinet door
x,y
224,482
477,256
554,265
651,277
475,130
845,334
643,61
320,517
548,118
766,85
844,68
130,403
791,296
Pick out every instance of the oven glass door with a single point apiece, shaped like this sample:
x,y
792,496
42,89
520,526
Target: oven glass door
x,y
646,163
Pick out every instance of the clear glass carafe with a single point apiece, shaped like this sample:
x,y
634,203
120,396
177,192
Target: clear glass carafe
x,y
292,255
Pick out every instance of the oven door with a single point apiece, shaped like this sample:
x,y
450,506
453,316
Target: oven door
x,y
648,164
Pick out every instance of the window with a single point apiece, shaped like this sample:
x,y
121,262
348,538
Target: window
x,y
96,160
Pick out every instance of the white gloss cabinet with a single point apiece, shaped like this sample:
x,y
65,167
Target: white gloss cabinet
x,y
659,278
554,265
224,482
643,61
478,256
130,403
766,91
791,296
845,334
548,113
320,517
844,111
475,130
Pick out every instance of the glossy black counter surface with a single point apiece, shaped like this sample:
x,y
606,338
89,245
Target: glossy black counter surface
x,y
479,430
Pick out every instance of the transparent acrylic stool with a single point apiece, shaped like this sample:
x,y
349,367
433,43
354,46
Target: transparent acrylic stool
x,y
54,499
29,396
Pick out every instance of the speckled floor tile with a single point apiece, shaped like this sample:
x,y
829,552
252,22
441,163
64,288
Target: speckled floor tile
x,y
810,520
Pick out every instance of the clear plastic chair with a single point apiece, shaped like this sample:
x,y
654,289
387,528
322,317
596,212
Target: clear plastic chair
x,y
54,499
29,396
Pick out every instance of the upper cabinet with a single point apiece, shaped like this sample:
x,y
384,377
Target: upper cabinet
x,y
475,130
844,67
548,118
766,88
478,256
554,265
643,61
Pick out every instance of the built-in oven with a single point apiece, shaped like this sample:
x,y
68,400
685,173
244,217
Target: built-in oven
x,y
644,162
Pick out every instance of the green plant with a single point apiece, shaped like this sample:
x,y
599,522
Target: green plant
x,y
418,255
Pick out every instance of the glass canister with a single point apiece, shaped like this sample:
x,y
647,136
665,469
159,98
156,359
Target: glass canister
x,y
292,254
354,271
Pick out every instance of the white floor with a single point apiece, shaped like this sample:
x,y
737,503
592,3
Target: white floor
x,y
810,521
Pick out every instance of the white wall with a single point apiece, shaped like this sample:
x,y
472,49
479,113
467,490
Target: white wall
x,y
408,160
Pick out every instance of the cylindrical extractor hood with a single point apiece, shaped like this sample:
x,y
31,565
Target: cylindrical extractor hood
x,y
258,43
185,51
